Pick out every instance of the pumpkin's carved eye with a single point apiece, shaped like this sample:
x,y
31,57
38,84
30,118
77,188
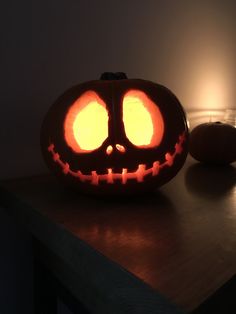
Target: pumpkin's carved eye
x,y
143,121
86,123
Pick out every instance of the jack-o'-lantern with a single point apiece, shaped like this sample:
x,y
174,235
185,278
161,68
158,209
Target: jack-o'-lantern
x,y
115,135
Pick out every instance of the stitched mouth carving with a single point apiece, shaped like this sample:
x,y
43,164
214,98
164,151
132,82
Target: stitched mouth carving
x,y
141,172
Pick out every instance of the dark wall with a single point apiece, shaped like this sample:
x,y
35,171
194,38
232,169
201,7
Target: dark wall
x,y
47,46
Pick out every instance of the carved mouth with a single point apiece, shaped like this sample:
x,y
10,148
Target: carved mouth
x,y
111,176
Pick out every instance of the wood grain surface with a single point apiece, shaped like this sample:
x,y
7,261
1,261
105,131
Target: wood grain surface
x,y
179,241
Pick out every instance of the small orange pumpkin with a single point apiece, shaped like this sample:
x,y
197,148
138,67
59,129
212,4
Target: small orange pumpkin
x,y
213,142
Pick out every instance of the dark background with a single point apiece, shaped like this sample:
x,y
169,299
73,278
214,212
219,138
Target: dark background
x,y
49,45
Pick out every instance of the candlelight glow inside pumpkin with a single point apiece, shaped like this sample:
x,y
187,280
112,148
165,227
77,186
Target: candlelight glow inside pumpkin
x,y
115,135
143,121
86,123
139,174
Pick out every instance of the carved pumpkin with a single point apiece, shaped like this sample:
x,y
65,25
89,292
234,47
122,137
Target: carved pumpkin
x,y
115,135
213,143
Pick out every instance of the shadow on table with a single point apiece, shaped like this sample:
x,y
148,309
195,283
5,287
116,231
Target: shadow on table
x,y
210,180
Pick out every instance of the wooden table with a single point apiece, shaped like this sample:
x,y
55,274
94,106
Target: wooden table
x,y
136,255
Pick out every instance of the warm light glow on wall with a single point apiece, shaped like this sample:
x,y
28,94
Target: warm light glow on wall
x,y
211,85
207,93
196,117
199,63
211,93
210,88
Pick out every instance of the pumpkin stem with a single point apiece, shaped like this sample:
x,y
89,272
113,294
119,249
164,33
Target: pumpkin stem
x,y
113,76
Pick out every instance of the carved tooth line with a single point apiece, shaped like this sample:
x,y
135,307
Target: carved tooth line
x,y
139,174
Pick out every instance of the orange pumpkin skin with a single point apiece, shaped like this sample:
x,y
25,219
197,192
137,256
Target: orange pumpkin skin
x,y
213,143
117,166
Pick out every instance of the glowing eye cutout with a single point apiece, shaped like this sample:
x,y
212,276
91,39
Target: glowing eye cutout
x,y
86,123
143,121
